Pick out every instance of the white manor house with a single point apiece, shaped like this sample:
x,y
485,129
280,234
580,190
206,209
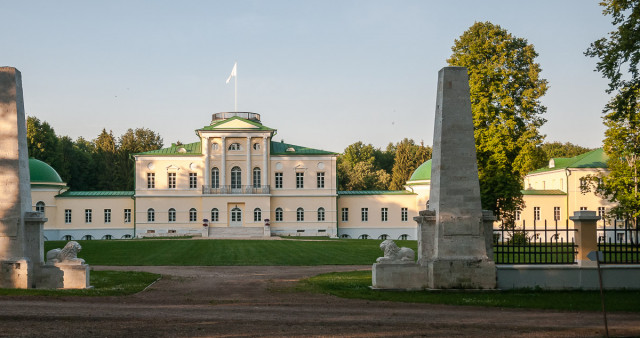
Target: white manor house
x,y
236,178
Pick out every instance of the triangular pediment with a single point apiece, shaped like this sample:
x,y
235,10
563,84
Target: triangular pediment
x,y
236,124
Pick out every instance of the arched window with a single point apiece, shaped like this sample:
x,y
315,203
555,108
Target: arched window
x,y
193,215
215,178
403,237
87,237
257,215
67,238
234,146
383,236
256,146
236,215
300,214
278,214
127,236
151,215
364,236
320,214
256,177
236,178
40,207
107,237
215,146
215,215
172,215
345,236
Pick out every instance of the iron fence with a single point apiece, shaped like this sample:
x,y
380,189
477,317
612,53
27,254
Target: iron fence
x,y
539,244
618,241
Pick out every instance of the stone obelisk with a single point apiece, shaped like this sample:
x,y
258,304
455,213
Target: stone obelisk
x,y
15,189
454,235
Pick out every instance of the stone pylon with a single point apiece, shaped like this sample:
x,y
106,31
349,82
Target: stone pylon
x,y
21,240
454,235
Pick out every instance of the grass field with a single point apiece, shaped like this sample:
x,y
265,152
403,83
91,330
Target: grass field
x,y
230,252
356,285
105,283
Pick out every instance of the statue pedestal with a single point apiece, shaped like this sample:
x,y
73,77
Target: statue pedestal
x,y
64,276
399,276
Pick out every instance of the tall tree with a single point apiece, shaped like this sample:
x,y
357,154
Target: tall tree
x,y
131,142
506,88
83,168
105,161
42,141
357,169
558,149
409,156
619,55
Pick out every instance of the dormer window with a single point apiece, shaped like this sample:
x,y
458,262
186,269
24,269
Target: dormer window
x,y
182,150
234,146
290,149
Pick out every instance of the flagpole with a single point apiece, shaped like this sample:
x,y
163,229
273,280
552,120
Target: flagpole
x,y
236,83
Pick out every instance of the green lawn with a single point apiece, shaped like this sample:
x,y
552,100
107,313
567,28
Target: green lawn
x,y
229,252
105,283
356,284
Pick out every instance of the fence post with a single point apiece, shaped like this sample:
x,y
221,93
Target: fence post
x,y
584,222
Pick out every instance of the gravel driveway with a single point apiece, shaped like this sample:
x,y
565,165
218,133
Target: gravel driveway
x,y
252,301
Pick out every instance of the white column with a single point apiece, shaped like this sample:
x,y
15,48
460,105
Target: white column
x,y
249,171
207,161
265,161
223,170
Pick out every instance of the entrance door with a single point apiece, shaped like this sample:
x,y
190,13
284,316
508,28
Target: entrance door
x,y
236,217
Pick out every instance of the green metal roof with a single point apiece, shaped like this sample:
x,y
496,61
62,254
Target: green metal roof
x,y
543,192
96,194
40,173
422,173
217,125
182,149
376,192
593,159
281,148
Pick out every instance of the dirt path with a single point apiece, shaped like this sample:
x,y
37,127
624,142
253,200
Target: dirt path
x,y
245,301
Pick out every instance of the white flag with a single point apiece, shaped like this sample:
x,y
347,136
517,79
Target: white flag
x,y
233,72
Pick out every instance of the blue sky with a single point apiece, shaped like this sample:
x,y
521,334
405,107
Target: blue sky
x,y
324,73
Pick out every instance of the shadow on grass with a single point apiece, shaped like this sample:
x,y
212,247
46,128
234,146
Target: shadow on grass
x,y
105,283
355,285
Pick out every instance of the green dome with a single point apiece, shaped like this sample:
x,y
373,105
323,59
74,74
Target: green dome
x,y
41,172
422,173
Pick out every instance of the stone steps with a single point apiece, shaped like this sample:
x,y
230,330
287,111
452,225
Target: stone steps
x,y
239,232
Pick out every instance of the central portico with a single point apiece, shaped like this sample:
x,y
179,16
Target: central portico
x,y
236,177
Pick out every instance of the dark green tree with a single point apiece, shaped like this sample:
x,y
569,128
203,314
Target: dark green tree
x,y
105,158
558,149
83,168
506,88
408,157
131,142
357,168
618,55
42,141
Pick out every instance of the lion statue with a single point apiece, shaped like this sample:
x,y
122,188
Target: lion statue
x,y
66,255
395,254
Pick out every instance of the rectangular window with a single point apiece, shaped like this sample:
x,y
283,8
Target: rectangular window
x,y
583,208
518,215
107,215
320,180
172,180
87,215
536,213
404,214
601,212
67,216
151,180
584,183
345,214
384,214
364,212
193,180
278,180
127,215
299,180
556,213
